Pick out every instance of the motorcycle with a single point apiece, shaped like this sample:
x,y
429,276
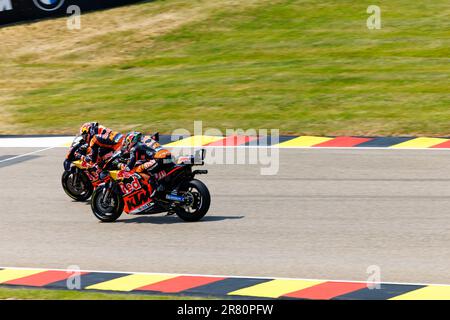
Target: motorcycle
x,y
78,179
182,194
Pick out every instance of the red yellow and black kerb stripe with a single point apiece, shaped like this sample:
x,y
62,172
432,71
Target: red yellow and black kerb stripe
x,y
219,286
283,142
309,142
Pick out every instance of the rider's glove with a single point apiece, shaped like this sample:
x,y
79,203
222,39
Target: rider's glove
x,y
78,155
86,158
87,161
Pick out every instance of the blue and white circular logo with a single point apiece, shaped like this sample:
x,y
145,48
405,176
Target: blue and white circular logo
x,y
48,5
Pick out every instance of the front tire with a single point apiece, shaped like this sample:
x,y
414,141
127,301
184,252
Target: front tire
x,y
108,211
80,192
200,201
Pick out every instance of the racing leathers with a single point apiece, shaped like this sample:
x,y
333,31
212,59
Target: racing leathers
x,y
103,143
147,158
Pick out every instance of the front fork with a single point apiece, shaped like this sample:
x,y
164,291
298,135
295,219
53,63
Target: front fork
x,y
75,178
107,193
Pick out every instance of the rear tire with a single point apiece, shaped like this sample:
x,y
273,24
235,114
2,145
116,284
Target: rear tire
x,y
76,193
201,201
109,212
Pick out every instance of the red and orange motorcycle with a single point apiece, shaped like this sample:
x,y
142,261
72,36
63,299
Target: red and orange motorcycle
x,y
78,179
182,194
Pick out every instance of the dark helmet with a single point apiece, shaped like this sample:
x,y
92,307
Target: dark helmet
x,y
88,130
131,139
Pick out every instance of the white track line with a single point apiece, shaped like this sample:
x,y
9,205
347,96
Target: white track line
x,y
226,276
34,142
26,154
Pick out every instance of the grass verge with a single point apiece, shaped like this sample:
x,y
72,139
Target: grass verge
x,y
44,294
298,65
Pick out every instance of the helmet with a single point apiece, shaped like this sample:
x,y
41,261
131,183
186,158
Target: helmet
x,y
131,139
87,130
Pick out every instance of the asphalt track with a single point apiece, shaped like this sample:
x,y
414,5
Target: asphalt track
x,y
327,214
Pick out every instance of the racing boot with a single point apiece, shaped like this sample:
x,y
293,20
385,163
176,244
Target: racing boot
x,y
157,188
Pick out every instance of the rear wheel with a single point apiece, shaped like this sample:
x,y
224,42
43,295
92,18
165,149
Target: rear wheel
x,y
77,185
198,201
106,209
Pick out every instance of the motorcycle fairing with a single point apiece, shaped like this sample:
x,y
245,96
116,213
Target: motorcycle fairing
x,y
91,174
136,193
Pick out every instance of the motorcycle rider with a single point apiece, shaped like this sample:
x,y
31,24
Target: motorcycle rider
x,y
102,142
141,151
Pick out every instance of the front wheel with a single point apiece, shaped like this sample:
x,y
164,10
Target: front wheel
x,y
198,201
109,208
77,185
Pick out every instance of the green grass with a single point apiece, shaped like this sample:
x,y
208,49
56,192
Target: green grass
x,y
41,294
302,66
